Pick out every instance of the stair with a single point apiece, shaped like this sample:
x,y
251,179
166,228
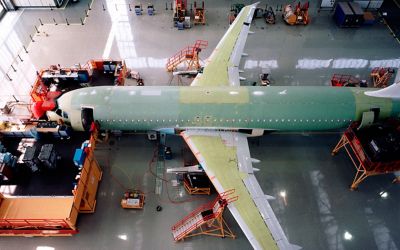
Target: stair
x,y
188,55
204,214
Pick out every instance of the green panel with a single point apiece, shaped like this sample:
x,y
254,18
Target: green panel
x,y
395,109
365,103
301,108
218,159
216,71
214,95
275,108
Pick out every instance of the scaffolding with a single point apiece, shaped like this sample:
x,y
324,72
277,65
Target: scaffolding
x,y
53,215
206,220
365,167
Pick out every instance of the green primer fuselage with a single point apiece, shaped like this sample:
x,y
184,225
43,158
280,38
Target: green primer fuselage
x,y
285,108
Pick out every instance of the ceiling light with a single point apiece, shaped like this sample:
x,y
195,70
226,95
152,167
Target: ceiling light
x,y
347,236
123,236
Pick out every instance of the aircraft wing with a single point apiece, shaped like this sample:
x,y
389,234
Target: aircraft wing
x,y
221,68
225,157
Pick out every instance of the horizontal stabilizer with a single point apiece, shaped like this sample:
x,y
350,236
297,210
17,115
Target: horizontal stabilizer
x,y
393,91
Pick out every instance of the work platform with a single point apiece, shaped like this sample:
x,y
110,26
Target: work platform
x,y
206,220
53,215
372,150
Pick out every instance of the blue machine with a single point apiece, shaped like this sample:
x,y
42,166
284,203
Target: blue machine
x,y
2,148
8,159
150,10
343,15
138,10
79,157
180,25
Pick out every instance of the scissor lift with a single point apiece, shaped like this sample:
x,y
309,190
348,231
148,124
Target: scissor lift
x,y
206,220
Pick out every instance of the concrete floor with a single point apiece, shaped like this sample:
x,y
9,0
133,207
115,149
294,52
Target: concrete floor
x,y
318,208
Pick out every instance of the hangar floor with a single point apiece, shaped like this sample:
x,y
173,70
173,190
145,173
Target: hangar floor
x,y
318,210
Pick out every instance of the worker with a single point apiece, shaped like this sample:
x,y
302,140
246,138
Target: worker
x,y
95,126
140,82
264,80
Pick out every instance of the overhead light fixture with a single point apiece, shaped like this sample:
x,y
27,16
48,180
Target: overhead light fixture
x,y
384,194
44,248
123,236
347,236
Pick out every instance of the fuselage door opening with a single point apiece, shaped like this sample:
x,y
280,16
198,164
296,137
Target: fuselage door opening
x,y
87,118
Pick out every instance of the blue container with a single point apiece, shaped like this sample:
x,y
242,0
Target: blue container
x,y
138,10
343,15
79,157
358,19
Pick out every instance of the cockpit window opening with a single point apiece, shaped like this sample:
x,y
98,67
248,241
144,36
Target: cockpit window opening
x,y
59,112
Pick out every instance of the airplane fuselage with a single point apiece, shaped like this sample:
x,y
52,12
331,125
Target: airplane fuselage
x,y
284,108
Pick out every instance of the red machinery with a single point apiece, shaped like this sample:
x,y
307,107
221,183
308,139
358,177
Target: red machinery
x,y
297,15
180,10
339,80
52,82
365,164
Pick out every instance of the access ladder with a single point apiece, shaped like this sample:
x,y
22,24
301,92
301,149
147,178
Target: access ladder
x,y
207,219
188,56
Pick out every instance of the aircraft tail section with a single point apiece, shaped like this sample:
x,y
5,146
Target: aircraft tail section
x,y
392,91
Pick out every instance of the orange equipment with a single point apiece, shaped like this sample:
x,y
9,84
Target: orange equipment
x,y
206,189
206,220
180,10
298,15
364,165
339,80
381,76
43,98
235,10
199,14
188,55
133,199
